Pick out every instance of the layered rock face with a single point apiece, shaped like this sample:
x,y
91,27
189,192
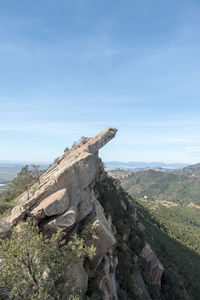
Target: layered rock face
x,y
64,196
155,268
76,189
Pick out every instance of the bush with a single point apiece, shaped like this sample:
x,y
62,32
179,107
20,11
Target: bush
x,y
35,267
24,180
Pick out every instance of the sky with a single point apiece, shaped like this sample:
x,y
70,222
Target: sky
x,y
70,68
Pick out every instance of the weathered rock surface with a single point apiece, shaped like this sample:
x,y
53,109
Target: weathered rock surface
x,y
65,190
55,204
64,196
108,284
155,268
103,238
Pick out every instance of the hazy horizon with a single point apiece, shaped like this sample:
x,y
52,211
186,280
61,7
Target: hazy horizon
x,y
72,68
124,162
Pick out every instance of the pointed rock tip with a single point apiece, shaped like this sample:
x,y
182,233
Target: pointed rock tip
x,y
101,139
111,130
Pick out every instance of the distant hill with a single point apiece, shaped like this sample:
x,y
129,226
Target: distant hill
x,y
135,164
172,200
8,171
120,173
192,170
168,186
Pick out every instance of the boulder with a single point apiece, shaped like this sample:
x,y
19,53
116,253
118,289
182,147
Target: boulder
x,y
103,237
55,204
155,268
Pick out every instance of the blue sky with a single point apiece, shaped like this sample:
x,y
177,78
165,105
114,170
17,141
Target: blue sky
x,y
72,68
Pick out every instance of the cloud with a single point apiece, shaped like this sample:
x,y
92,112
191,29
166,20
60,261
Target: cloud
x,y
176,140
195,149
54,128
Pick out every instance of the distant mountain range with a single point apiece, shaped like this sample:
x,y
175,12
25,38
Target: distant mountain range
x,y
9,170
136,164
192,169
179,186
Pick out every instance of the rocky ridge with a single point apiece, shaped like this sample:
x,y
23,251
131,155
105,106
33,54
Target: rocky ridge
x,y
64,197
64,193
76,189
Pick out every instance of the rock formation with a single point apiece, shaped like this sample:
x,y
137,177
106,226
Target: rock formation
x,y
155,268
64,196
75,189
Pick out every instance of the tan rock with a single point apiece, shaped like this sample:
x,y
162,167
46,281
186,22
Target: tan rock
x,y
64,197
103,237
18,213
68,183
55,204
66,221
108,283
101,139
156,269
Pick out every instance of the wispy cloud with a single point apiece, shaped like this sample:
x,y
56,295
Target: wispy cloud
x,y
195,149
54,128
177,139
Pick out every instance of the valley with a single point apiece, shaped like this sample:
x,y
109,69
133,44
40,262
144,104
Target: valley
x,y
171,200
173,186
156,214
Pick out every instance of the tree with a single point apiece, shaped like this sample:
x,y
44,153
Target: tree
x,y
24,180
34,267
84,139
36,172
66,150
74,144
56,160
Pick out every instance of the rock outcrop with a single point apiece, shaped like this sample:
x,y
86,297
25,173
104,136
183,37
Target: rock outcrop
x,y
107,283
155,268
64,196
76,190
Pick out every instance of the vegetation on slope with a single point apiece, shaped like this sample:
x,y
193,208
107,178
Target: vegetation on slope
x,y
8,171
36,267
181,222
113,201
168,186
164,232
192,170
181,264
180,260
21,183
173,228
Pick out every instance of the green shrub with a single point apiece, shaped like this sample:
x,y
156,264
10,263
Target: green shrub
x,y
35,267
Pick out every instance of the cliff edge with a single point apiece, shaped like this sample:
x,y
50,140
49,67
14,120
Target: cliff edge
x,y
76,190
